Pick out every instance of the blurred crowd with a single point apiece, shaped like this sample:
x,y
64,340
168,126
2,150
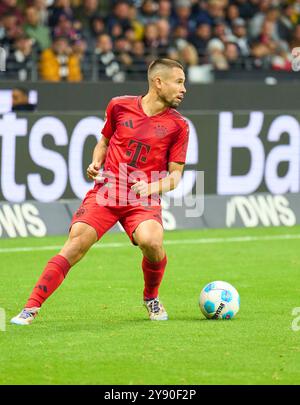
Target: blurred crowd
x,y
76,40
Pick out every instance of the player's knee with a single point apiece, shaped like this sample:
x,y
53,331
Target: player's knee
x,y
151,243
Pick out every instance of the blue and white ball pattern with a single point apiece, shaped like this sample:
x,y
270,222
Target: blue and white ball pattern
x,y
219,300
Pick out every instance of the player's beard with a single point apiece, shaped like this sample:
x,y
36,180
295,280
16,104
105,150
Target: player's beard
x,y
174,104
169,103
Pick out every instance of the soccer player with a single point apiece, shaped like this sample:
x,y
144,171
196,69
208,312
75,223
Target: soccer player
x,y
140,155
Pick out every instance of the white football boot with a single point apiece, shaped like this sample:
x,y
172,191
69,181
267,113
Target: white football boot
x,y
26,316
156,310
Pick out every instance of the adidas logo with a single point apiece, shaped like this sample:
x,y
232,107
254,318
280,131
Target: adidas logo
x,y
128,124
42,287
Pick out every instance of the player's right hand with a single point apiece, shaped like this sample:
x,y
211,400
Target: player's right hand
x,y
93,171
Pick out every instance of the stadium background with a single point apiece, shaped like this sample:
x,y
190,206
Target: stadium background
x,y
237,58
243,107
243,147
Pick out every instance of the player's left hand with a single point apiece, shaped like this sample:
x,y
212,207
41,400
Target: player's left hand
x,y
142,188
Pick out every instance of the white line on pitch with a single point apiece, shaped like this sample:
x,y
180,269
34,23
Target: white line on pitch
x,y
166,242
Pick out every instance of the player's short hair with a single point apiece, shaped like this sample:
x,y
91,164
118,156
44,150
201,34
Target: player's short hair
x,y
162,63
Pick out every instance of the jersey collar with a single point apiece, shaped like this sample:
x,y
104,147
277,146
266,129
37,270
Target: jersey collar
x,y
150,116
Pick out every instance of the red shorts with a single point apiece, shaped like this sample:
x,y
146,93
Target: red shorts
x,y
104,217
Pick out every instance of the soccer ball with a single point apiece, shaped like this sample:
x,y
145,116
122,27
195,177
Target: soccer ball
x,y
219,300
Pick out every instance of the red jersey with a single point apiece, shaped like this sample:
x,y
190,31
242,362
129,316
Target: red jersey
x,y
145,144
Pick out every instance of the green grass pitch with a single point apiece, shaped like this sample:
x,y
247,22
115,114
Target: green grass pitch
x,y
94,329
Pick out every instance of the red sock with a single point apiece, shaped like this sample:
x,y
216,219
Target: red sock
x,y
153,274
51,278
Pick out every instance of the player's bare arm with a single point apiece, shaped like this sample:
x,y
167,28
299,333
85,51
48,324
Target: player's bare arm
x,y
164,185
99,155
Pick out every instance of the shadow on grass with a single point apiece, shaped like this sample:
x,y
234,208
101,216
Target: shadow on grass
x,y
121,325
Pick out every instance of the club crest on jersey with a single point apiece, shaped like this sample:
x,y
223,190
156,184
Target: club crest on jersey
x,y
80,212
160,131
